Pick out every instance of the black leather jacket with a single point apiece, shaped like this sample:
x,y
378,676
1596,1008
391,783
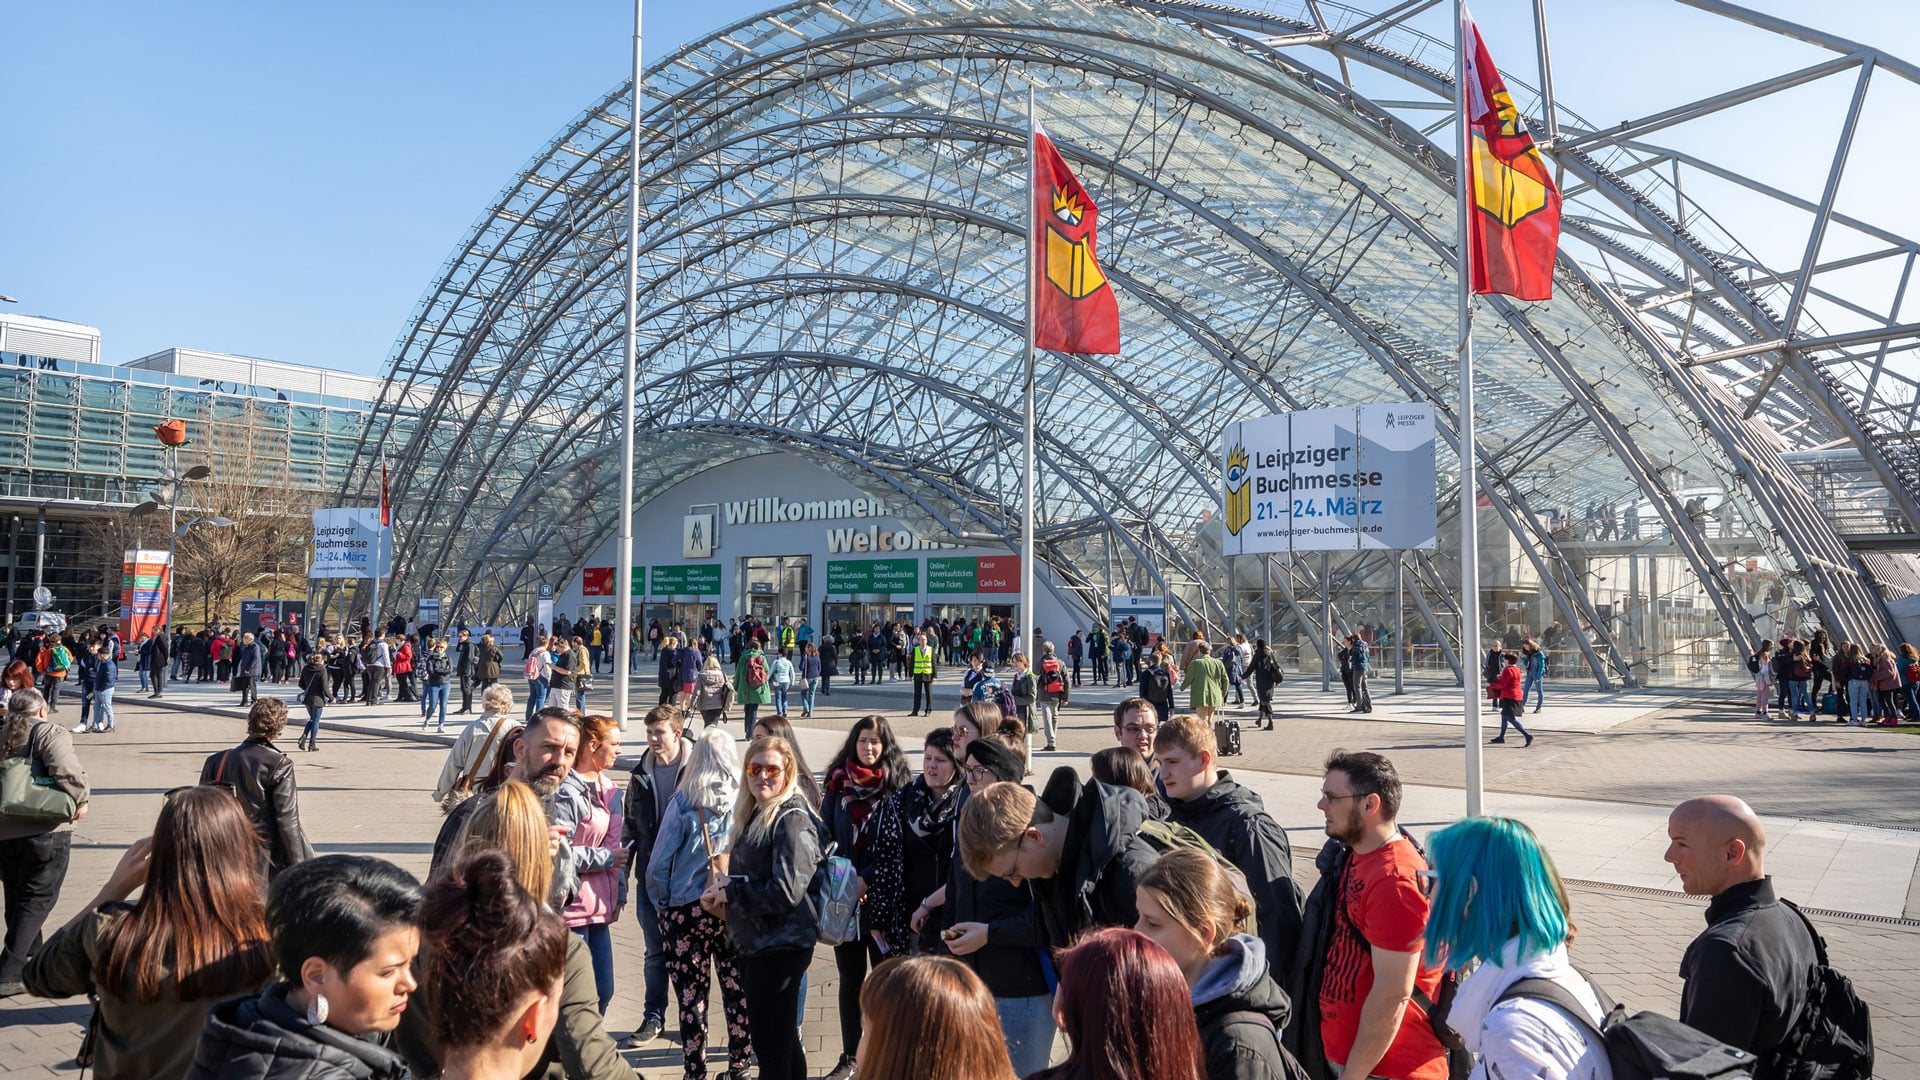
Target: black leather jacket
x,y
768,906
262,777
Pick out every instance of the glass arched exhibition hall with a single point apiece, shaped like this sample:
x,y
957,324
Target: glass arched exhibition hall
x,y
1689,448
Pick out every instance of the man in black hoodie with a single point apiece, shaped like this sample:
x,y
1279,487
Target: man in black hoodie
x,y
1078,844
1234,821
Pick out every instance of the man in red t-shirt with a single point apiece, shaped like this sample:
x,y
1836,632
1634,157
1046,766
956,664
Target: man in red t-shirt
x,y
1369,1024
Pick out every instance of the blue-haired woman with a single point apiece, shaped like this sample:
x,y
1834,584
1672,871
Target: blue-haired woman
x,y
1498,903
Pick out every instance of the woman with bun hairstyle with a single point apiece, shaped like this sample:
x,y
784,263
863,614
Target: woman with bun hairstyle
x,y
196,936
491,964
929,1018
344,936
1190,907
690,855
1124,1006
512,820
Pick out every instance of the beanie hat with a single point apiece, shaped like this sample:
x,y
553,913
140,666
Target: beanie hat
x,y
1002,761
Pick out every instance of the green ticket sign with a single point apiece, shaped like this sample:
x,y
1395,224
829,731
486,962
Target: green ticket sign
x,y
953,575
873,576
684,580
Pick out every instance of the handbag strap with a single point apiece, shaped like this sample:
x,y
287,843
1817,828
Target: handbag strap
x,y
474,770
221,770
704,837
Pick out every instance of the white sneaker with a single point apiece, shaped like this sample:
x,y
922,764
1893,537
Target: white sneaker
x,y
81,728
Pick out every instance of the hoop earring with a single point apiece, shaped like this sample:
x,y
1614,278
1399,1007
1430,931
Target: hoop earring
x,y
317,1010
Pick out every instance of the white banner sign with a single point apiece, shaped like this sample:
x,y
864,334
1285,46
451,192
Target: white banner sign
x,y
345,540
1344,479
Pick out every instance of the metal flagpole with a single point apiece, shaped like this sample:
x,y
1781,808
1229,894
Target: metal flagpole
x,y
379,545
1546,71
623,572
1469,530
1025,632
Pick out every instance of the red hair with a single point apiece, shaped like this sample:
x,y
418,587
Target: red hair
x,y
1126,1010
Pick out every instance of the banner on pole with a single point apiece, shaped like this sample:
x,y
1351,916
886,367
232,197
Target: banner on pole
x,y
1342,479
145,579
345,541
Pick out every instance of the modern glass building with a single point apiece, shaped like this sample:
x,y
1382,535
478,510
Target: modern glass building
x,y
77,443
1684,451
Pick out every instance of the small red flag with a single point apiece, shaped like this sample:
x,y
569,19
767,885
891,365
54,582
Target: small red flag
x,y
386,503
1074,309
1515,227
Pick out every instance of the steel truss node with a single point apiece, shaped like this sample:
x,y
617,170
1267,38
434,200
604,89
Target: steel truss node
x,y
829,266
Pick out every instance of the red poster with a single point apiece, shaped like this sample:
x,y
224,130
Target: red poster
x,y
596,581
143,593
999,573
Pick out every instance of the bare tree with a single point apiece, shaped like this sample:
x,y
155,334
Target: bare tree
x,y
253,485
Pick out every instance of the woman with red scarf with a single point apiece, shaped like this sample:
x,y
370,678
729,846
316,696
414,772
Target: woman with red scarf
x,y
868,769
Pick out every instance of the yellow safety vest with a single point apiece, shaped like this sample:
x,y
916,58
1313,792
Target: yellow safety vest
x,y
923,659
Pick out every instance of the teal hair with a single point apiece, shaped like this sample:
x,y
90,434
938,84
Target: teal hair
x,y
1496,883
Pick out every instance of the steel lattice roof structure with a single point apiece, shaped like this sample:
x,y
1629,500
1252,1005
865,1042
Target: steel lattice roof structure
x,y
830,266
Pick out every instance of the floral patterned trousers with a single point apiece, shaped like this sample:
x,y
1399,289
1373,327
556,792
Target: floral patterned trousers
x,y
694,937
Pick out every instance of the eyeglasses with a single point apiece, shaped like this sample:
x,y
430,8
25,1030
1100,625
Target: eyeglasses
x,y
1428,881
1140,729
766,772
1331,797
978,772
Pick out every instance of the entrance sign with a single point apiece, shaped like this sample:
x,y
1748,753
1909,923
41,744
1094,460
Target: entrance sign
x,y
872,576
345,540
1343,479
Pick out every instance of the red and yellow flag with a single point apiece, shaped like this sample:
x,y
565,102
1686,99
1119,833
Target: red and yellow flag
x,y
1515,229
386,503
1074,309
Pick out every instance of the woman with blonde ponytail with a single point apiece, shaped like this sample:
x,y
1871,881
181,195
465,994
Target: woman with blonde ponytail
x,y
1191,908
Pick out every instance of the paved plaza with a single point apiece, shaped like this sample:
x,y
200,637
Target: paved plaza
x,y
1841,805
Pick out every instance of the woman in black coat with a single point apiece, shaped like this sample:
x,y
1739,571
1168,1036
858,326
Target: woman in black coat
x,y
342,921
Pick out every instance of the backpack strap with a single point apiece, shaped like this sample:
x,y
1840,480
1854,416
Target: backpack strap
x,y
1559,997
1819,943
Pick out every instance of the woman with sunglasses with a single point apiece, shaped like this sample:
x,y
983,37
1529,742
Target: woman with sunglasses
x,y
158,964
774,855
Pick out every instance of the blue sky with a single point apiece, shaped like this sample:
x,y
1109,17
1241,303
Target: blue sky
x,y
283,180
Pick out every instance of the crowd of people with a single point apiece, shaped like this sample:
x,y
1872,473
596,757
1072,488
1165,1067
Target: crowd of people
x,y
1867,683
1144,907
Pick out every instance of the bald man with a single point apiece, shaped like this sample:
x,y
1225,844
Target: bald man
x,y
1747,976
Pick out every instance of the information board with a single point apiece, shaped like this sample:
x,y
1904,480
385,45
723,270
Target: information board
x,y
345,540
679,580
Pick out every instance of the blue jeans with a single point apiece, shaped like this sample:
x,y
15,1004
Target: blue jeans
x,y
312,731
655,968
1027,1025
753,715
807,691
1860,703
103,708
1797,696
143,679
1535,684
432,698
780,699
536,697
599,939
1510,715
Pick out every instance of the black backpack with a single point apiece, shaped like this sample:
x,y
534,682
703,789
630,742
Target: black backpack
x,y
1833,1037
1156,687
1644,1046
1753,664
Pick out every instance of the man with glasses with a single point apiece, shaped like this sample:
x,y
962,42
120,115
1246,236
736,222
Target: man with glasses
x,y
1359,967
1134,724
